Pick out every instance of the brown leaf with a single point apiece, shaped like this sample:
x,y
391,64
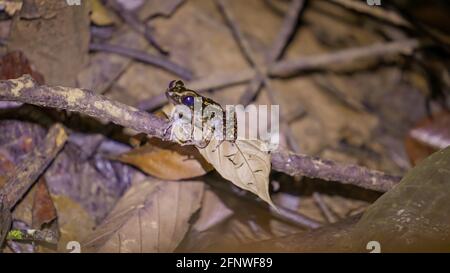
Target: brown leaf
x,y
428,136
244,163
167,160
43,211
74,221
54,37
213,212
150,217
14,64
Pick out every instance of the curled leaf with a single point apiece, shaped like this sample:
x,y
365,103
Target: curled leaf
x,y
167,160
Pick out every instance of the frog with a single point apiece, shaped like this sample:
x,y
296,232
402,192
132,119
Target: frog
x,y
206,114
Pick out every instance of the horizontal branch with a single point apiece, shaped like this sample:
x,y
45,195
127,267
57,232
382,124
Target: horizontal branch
x,y
24,89
314,167
378,12
345,56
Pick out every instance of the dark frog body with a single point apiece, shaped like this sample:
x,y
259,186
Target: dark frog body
x,y
212,115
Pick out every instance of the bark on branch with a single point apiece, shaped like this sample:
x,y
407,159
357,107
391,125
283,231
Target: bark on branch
x,y
24,89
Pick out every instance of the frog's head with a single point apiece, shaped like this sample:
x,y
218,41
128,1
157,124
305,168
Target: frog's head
x,y
178,94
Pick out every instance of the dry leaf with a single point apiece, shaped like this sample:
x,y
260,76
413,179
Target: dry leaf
x,y
15,64
245,163
100,15
74,221
213,212
167,160
150,217
433,132
428,136
52,29
44,210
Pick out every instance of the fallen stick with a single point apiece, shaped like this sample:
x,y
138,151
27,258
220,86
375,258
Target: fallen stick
x,y
345,56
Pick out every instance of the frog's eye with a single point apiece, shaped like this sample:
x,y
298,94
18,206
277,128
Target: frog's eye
x,y
188,100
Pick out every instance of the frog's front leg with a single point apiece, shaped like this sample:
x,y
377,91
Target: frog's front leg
x,y
206,138
167,128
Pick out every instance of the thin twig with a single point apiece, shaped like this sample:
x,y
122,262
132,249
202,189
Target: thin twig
x,y
132,20
25,89
291,67
399,18
255,85
379,12
327,213
230,20
286,31
144,57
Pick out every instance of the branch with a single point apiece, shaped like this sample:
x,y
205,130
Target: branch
x,y
133,21
291,67
380,13
144,57
286,31
295,164
24,89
